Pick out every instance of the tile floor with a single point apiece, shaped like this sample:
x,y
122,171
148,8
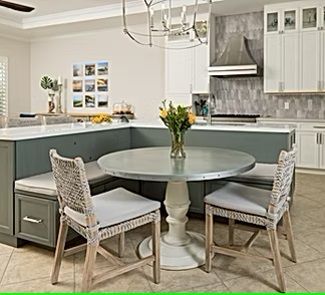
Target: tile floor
x,y
28,268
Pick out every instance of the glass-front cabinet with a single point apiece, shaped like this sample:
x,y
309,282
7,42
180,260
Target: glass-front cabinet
x,y
310,20
290,20
296,31
281,21
272,22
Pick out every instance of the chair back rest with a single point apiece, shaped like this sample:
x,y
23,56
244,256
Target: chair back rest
x,y
72,184
282,180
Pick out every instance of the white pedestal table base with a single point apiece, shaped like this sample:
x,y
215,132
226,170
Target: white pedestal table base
x,y
180,249
173,257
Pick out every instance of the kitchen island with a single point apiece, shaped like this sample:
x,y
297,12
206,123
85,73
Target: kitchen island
x,y
24,152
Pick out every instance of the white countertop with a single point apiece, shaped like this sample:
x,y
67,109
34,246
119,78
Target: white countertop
x,y
33,132
291,120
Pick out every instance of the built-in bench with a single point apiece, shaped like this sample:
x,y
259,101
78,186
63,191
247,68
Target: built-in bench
x,y
261,176
36,204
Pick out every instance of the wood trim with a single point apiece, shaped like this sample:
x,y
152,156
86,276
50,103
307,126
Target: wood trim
x,y
75,250
234,253
116,272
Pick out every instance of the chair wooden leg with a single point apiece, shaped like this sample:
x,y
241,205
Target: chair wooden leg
x,y
121,244
156,251
89,265
277,259
289,232
208,239
231,231
59,252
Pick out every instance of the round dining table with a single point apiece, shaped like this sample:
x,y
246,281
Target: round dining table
x,y
180,249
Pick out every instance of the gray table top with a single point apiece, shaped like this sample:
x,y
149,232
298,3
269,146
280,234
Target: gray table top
x,y
155,164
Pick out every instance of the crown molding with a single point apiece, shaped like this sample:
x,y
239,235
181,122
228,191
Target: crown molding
x,y
80,15
86,14
10,23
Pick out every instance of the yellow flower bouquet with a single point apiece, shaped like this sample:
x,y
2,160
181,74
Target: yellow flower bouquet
x,y
178,119
101,118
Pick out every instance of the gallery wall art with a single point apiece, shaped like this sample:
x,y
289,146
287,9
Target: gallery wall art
x,y
90,85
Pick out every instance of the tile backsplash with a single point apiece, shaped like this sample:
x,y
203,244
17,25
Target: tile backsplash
x,y
246,94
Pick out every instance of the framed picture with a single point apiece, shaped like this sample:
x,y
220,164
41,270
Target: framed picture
x,y
102,68
90,101
102,85
78,70
90,85
102,100
78,101
77,85
90,69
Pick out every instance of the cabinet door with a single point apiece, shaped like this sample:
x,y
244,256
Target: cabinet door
x,y
322,151
200,70
290,61
179,64
272,22
7,176
310,61
308,149
272,63
290,20
322,57
309,18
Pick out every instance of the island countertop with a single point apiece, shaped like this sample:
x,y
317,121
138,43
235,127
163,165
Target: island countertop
x,y
32,132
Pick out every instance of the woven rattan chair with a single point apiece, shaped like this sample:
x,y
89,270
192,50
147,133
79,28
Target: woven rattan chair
x,y
259,207
98,218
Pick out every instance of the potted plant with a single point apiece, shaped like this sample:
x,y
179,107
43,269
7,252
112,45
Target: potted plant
x,y
47,83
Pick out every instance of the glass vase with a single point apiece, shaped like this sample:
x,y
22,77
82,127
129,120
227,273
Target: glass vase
x,y
177,147
51,104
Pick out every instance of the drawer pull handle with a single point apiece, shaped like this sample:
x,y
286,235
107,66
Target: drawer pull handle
x,y
319,127
32,220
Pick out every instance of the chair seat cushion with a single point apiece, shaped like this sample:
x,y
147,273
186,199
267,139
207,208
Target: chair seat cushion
x,y
261,173
116,206
242,198
44,184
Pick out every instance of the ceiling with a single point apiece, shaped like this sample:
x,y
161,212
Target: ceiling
x,y
45,7
70,16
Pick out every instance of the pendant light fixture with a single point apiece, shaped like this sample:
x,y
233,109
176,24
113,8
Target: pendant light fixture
x,y
167,20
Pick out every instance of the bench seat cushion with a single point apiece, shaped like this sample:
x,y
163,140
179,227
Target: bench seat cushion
x,y
44,184
261,174
116,206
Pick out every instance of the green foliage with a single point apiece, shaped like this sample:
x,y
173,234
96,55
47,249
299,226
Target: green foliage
x,y
178,119
48,83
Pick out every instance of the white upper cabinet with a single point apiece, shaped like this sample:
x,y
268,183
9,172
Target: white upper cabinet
x,y
179,70
271,22
200,70
273,63
300,26
186,72
310,61
322,48
290,62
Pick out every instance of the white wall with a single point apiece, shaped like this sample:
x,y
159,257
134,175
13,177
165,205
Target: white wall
x,y
136,73
18,53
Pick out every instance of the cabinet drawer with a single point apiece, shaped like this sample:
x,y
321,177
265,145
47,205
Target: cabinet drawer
x,y
36,220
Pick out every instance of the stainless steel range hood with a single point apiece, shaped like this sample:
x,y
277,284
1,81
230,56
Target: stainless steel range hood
x,y
236,60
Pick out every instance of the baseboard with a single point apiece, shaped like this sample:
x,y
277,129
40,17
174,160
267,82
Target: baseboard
x,y
310,171
11,241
